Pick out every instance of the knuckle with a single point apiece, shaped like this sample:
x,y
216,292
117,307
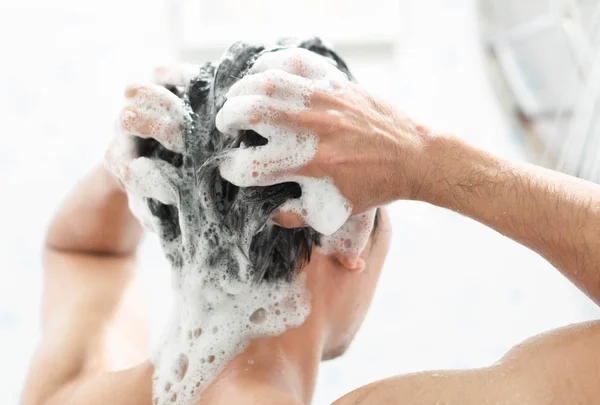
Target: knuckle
x,y
255,114
297,64
261,113
270,88
321,97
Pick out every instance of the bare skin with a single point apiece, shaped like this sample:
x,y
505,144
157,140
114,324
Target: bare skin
x,y
91,251
94,344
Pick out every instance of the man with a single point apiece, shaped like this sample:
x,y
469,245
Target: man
x,y
374,156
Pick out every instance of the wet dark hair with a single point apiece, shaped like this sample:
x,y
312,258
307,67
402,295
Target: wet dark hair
x,y
275,253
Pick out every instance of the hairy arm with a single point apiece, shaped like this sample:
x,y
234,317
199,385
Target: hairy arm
x,y
556,215
375,155
91,305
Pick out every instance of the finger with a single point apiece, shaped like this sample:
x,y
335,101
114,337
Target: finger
x,y
139,175
148,124
152,179
175,75
274,163
288,219
321,205
272,83
241,113
252,112
300,62
252,167
139,208
155,98
161,107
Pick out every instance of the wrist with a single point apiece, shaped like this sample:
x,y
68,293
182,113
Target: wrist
x,y
440,160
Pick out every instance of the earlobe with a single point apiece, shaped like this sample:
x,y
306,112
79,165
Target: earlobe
x,y
356,264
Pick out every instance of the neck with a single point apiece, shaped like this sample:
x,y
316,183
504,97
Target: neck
x,y
283,367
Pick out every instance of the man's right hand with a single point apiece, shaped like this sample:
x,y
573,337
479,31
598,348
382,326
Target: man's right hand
x,y
328,135
375,155
320,125
150,111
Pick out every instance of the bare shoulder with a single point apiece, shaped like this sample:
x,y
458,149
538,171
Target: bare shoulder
x,y
561,366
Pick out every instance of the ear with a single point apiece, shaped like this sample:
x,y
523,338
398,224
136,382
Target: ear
x,y
355,264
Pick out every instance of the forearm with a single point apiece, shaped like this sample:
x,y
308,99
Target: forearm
x,y
556,215
95,218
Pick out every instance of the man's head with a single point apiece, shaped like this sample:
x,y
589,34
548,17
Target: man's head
x,y
340,293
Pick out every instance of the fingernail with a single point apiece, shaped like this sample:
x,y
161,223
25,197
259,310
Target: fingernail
x,y
128,115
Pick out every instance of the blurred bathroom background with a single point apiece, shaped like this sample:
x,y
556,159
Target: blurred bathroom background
x,y
518,78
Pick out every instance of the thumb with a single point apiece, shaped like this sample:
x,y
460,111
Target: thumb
x,y
287,219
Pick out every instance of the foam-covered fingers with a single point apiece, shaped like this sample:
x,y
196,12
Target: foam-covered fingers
x,y
300,62
176,75
153,111
148,124
152,179
253,112
139,175
276,162
254,167
320,206
287,219
140,210
272,83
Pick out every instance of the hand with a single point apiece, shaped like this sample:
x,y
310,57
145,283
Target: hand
x,y
320,126
151,112
95,217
